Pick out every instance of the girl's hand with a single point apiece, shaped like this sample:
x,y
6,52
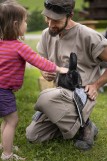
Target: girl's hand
x,y
62,70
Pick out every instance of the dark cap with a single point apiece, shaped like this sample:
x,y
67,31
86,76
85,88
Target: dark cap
x,y
57,9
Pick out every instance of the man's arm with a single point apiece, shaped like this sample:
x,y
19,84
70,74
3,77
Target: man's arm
x,y
48,76
92,89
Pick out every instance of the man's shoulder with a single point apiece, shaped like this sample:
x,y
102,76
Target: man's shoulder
x,y
87,30
89,33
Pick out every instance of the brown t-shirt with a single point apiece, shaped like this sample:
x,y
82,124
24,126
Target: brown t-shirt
x,y
85,42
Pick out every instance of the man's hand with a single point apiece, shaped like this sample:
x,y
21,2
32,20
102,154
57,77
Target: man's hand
x,y
91,91
48,76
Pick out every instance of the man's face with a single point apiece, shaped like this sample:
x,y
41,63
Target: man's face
x,y
56,26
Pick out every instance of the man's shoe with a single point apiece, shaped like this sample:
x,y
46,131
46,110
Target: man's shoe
x,y
86,136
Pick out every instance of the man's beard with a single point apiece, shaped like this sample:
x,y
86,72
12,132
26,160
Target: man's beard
x,y
55,31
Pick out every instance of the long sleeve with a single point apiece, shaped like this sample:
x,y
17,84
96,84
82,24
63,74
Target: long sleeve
x,y
36,60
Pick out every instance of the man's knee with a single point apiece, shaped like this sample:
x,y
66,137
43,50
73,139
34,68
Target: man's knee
x,y
31,133
46,99
42,102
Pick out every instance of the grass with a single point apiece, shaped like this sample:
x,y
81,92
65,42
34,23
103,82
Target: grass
x,y
56,150
32,43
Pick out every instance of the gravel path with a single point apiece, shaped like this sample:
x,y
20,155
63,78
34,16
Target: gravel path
x,y
32,36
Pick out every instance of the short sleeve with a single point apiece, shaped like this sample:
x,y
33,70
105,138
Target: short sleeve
x,y
42,45
94,43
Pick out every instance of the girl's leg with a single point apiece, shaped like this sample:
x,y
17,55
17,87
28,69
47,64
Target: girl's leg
x,y
2,129
8,132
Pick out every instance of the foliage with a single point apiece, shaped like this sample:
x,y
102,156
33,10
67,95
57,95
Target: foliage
x,y
102,24
76,16
36,21
31,5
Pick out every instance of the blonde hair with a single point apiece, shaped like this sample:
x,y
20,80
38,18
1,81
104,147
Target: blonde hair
x,y
11,11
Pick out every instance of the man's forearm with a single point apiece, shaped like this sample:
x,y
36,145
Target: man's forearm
x,y
102,80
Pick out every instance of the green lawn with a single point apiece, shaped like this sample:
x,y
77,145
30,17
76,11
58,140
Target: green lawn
x,y
56,150
32,43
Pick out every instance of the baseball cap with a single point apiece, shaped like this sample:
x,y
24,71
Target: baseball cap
x,y
58,9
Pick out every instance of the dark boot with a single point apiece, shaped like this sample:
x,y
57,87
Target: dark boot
x,y
86,137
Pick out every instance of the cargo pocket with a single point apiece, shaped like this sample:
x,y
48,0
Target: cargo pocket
x,y
55,103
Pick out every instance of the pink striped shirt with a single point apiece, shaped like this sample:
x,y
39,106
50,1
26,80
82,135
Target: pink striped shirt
x,y
13,57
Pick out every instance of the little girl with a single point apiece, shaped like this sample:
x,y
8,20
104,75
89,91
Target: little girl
x,y
13,57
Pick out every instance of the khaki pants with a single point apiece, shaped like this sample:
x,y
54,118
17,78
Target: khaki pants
x,y
59,116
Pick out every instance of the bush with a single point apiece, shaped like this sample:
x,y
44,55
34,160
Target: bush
x,y
36,21
101,24
77,16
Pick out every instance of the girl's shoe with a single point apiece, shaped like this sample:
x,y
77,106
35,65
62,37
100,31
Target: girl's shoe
x,y
15,148
11,157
